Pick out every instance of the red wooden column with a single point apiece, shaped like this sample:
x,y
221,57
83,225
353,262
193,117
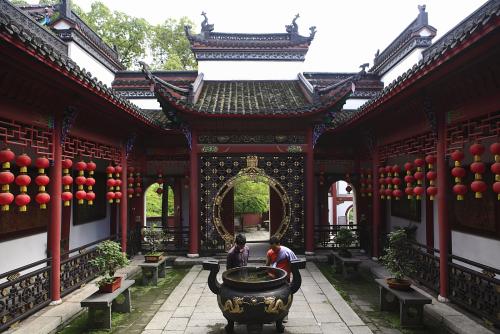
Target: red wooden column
x,y
444,228
333,191
376,206
309,228
55,214
124,202
193,197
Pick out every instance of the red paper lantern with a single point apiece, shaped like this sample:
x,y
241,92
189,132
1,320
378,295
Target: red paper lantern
x,y
22,200
495,168
479,187
118,169
458,172
90,182
138,191
369,184
42,164
159,191
110,170
130,192
67,197
42,199
397,193
66,164
409,179
381,182
91,166
460,190
42,181
23,161
409,192
118,196
110,196
432,191
81,196
81,166
496,188
6,156
6,178
67,180
418,191
23,180
5,200
478,168
90,197
110,183
431,160
348,189
80,181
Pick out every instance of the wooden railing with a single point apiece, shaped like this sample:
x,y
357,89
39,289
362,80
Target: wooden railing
x,y
176,239
21,295
325,236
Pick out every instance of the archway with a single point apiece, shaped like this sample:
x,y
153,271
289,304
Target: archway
x,y
158,200
341,203
276,228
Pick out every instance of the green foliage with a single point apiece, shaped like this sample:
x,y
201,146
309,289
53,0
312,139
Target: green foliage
x,y
251,197
154,237
153,202
344,238
19,2
396,257
170,47
109,258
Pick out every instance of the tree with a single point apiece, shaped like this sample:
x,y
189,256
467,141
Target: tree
x,y
153,202
251,197
170,46
129,34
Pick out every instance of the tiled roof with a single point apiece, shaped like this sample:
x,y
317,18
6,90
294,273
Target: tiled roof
x,y
487,15
250,97
19,33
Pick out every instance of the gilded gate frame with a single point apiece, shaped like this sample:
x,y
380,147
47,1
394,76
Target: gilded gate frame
x,y
252,172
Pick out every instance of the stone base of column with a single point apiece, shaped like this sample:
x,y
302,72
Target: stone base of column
x,y
310,253
443,299
55,302
375,258
192,256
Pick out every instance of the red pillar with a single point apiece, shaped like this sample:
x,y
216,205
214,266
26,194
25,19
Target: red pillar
x,y
193,197
376,206
429,224
333,191
124,202
55,214
444,229
309,194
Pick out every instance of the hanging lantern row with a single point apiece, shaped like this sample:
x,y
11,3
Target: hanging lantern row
x,y
478,186
365,183
67,181
118,184
42,180
431,176
80,180
381,181
418,190
409,180
6,178
138,184
495,168
130,182
114,193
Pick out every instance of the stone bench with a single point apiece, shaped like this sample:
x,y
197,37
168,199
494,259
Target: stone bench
x,y
152,270
106,302
411,304
345,265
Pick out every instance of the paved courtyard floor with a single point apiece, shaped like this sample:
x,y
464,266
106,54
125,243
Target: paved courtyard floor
x,y
317,308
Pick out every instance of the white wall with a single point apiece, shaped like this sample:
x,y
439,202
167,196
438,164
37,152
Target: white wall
x,y
19,252
476,248
146,103
250,70
92,65
83,234
354,103
404,65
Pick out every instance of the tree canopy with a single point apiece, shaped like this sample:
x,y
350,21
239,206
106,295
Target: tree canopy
x,y
251,197
164,45
153,202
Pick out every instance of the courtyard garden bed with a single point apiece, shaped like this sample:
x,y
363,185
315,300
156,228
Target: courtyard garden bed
x,y
146,300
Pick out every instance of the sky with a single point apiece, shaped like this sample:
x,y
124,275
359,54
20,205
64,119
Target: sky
x,y
348,34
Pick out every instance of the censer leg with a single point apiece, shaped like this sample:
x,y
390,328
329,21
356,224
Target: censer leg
x,y
279,326
229,327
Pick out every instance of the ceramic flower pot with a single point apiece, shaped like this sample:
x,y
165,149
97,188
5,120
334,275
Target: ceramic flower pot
x,y
110,287
398,284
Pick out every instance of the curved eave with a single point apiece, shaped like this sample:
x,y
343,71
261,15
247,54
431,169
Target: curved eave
x,y
27,44
415,77
312,109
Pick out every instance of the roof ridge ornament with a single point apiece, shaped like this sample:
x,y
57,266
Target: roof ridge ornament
x,y
294,27
205,26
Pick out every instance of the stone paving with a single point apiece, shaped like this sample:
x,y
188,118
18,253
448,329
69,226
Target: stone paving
x,y
317,308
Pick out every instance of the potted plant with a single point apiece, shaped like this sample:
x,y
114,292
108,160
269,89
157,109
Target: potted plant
x,y
109,258
344,239
153,237
396,260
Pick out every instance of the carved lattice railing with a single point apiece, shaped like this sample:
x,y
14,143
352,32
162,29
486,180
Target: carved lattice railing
x,y
324,236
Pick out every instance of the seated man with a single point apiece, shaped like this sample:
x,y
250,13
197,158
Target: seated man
x,y
238,254
279,256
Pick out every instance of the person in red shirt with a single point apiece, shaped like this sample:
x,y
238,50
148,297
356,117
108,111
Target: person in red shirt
x,y
279,256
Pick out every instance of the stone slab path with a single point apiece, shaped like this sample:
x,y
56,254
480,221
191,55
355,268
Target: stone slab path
x,y
317,308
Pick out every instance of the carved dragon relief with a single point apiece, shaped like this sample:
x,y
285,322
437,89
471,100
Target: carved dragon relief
x,y
275,305
272,304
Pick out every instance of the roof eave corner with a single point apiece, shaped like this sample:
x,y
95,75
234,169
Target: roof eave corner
x,y
195,89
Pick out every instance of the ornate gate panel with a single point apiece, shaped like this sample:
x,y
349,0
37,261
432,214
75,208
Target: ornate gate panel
x,y
217,170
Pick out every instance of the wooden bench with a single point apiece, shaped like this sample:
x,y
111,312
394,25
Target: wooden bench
x,y
411,304
105,302
346,265
152,270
